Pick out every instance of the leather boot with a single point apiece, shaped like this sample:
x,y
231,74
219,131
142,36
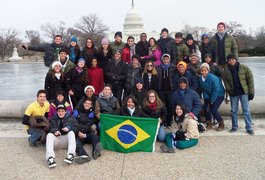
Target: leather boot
x,y
221,126
209,125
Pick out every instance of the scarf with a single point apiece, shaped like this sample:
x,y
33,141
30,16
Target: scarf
x,y
165,66
181,92
58,75
152,48
132,51
79,70
152,106
72,54
131,110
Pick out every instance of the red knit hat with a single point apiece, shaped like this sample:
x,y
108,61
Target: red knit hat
x,y
221,23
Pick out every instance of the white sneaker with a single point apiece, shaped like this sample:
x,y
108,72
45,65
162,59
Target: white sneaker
x,y
82,159
51,162
69,159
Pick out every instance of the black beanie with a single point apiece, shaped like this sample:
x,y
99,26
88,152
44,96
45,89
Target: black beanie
x,y
118,33
164,29
189,36
231,56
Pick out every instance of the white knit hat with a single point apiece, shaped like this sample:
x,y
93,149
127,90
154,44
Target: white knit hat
x,y
89,87
56,63
205,65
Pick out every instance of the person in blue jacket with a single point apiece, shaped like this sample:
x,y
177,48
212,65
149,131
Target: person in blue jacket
x,y
186,96
213,95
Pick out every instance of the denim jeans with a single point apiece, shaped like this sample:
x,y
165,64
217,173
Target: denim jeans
x,y
212,109
35,134
245,109
161,133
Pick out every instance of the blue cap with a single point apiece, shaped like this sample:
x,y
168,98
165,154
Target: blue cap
x,y
74,39
82,59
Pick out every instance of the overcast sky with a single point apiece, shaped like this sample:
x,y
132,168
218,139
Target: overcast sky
x,y
156,14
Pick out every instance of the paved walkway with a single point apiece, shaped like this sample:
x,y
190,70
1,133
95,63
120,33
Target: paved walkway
x,y
219,155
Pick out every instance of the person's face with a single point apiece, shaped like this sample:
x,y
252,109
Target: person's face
x,y
57,68
41,98
61,113
150,66
130,103
182,85
72,43
118,39
143,37
151,42
57,40
164,34
139,86
166,60
81,64
194,60
205,40
89,92
181,69
63,55
221,28
87,105
189,42
105,46
117,56
135,62
94,62
130,42
232,61
204,71
152,98
106,91
179,111
89,43
178,40
60,97
207,59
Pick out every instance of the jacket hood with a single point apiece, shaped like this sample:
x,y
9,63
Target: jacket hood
x,y
183,79
103,97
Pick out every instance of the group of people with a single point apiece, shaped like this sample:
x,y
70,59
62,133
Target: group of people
x,y
167,79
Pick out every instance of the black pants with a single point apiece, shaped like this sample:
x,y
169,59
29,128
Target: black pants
x,y
90,139
167,99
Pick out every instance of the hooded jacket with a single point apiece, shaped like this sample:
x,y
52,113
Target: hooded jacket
x,y
106,105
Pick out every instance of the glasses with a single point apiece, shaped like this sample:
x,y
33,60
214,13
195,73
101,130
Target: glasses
x,y
149,65
205,38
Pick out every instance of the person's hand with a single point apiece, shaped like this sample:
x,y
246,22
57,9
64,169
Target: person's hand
x,y
65,129
71,93
250,97
81,135
160,120
215,64
57,133
98,115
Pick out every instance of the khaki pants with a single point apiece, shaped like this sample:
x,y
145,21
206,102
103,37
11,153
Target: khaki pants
x,y
60,142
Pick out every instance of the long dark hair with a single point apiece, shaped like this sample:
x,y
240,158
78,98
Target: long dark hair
x,y
182,117
134,100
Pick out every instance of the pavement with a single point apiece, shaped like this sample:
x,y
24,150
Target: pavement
x,y
219,155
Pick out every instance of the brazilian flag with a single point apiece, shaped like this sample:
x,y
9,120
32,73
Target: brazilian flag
x,y
128,134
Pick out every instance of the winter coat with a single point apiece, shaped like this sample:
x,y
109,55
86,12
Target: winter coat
x,y
123,111
153,84
156,54
139,95
230,46
141,48
161,113
68,121
195,49
172,71
49,52
76,52
116,46
131,76
106,105
207,49
245,77
53,107
190,99
96,78
183,51
191,77
116,73
52,85
126,55
212,87
67,66
168,46
88,54
103,59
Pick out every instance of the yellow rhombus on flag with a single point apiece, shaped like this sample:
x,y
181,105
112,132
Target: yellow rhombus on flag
x,y
139,135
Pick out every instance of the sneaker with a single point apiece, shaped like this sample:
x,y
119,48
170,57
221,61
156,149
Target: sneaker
x,y
233,130
97,151
82,159
33,144
166,149
69,159
51,162
250,132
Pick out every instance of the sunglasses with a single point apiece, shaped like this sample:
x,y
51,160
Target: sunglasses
x,y
205,38
149,65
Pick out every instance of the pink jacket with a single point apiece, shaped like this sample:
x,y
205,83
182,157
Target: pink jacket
x,y
53,111
157,55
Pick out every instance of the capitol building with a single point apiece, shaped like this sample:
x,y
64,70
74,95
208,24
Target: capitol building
x,y
133,26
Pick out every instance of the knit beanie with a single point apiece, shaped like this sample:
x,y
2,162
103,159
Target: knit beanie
x,y
182,63
74,39
231,56
205,65
208,55
104,41
195,54
165,55
118,33
89,87
189,36
139,80
81,59
164,30
204,35
56,63
221,23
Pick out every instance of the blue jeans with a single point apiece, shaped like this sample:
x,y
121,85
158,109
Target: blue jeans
x,y
212,109
35,134
161,134
245,109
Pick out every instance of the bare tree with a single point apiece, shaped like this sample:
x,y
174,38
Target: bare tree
x,y
260,37
91,26
8,39
33,37
235,29
196,31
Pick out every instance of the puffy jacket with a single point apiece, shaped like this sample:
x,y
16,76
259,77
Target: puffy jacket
x,y
106,105
87,54
169,48
96,78
157,53
192,79
141,48
116,46
245,77
183,51
132,74
116,73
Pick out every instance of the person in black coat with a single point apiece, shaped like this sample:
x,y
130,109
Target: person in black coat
x,y
51,50
150,76
142,48
116,75
89,52
104,53
88,133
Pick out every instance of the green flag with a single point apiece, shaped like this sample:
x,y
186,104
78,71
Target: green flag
x,y
128,134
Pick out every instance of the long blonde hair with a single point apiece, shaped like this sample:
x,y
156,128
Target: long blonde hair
x,y
153,72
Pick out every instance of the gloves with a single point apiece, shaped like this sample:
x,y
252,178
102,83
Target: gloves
x,y
76,114
250,97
